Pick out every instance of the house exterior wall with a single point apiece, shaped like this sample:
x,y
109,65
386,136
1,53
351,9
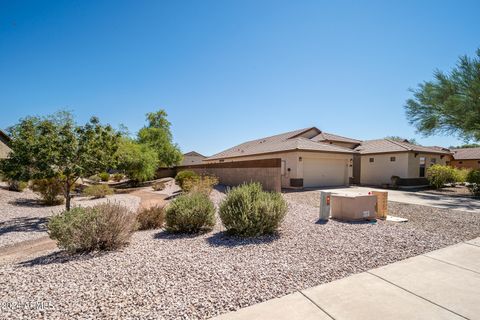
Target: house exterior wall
x,y
469,164
292,167
414,162
191,160
382,169
4,150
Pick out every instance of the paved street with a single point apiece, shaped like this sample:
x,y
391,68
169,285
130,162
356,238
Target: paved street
x,y
443,284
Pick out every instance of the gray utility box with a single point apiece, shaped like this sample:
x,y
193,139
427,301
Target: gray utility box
x,y
325,205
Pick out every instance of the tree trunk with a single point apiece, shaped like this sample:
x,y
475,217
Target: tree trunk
x,y
67,195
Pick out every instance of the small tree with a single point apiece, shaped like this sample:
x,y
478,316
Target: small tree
x,y
56,147
158,137
138,162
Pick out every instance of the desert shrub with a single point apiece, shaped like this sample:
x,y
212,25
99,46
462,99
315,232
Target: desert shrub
x,y
18,186
104,176
117,177
473,179
460,175
158,186
249,211
150,218
190,213
105,226
97,191
185,175
95,178
202,184
50,190
438,175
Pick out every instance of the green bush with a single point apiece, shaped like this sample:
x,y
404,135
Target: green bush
x,y
104,176
18,186
139,162
438,175
460,175
190,213
50,190
95,178
473,179
150,218
97,191
184,176
249,211
105,226
117,177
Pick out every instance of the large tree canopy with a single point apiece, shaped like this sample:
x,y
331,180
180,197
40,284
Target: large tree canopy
x,y
157,136
55,146
449,104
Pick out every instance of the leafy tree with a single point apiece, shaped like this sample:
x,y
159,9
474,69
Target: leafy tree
x,y
139,162
56,147
450,103
157,135
468,145
400,139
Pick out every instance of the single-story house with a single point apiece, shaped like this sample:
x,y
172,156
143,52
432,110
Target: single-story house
x,y
381,159
466,158
309,157
191,158
4,145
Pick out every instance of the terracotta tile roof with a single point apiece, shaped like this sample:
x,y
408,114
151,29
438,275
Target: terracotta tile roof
x,y
324,136
288,141
387,146
466,153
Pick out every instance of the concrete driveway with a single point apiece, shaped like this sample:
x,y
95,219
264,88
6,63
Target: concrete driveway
x,y
415,197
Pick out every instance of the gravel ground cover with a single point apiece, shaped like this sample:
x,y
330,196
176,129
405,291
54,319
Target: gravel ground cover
x,y
163,276
23,218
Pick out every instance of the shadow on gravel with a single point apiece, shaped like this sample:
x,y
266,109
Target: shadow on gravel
x,y
59,257
23,224
27,202
222,239
165,235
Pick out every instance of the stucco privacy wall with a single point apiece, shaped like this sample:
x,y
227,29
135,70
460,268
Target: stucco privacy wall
x,y
265,171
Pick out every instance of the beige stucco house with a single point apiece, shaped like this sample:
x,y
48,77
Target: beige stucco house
x,y
381,159
192,158
466,158
4,141
309,157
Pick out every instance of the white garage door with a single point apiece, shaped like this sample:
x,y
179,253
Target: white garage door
x,y
324,172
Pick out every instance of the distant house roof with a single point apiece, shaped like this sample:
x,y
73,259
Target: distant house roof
x,y
466,153
388,146
194,154
324,136
289,141
5,138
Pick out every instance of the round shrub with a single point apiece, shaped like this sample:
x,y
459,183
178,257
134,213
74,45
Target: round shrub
x,y
460,175
249,211
105,226
104,176
158,186
190,213
50,190
473,179
18,186
184,176
117,177
98,191
438,175
150,218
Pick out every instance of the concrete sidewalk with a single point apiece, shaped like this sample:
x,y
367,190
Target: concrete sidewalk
x,y
443,284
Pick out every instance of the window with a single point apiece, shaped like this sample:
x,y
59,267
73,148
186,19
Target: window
x,y
460,162
422,167
221,160
433,160
392,159
371,160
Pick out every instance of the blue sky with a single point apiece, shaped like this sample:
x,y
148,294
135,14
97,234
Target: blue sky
x,y
230,71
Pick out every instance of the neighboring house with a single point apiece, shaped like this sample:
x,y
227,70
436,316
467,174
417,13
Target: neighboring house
x,y
4,142
309,157
466,158
191,158
381,159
